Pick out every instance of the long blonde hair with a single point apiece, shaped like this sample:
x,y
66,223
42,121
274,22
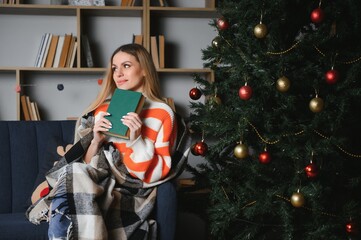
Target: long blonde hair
x,y
151,81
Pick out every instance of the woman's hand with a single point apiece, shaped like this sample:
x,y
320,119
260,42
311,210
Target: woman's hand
x,y
133,122
101,125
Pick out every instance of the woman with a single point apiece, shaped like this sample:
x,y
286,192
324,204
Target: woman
x,y
132,68
104,187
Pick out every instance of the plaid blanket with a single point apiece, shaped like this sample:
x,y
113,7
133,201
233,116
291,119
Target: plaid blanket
x,y
105,202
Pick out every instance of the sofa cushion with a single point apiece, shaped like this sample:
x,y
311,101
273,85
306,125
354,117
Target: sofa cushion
x,y
43,188
16,226
27,152
55,134
5,167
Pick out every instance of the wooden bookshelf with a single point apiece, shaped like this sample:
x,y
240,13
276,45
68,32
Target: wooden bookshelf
x,y
98,23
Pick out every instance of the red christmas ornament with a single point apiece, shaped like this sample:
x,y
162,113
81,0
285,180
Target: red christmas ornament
x,y
200,148
317,15
245,92
222,24
332,76
311,170
193,150
264,157
195,93
351,227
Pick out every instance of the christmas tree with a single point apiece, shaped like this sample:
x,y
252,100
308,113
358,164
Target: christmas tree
x,y
279,129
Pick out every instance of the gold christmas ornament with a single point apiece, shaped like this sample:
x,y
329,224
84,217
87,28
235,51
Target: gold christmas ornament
x,y
260,30
216,42
283,84
241,151
316,104
297,199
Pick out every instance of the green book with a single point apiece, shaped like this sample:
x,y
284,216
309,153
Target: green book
x,y
123,102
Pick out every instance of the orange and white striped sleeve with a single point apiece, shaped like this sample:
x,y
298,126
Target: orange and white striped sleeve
x,y
149,156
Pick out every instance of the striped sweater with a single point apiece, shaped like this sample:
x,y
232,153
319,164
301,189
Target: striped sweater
x,y
149,156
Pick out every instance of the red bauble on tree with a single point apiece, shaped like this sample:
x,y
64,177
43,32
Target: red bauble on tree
x,y
199,148
245,92
332,76
311,170
264,157
351,228
222,24
195,93
317,15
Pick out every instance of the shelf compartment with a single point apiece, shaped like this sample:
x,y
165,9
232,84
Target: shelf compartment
x,y
57,104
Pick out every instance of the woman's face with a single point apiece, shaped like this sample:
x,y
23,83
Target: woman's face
x,y
127,72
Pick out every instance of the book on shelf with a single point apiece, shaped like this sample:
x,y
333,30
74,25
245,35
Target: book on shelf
x,y
7,2
130,3
121,103
161,42
25,108
88,56
39,51
28,103
154,51
73,54
124,3
12,2
33,110
65,50
138,39
58,51
32,107
52,50
45,50
70,52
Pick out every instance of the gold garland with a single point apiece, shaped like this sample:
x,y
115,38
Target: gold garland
x,y
296,134
307,208
318,50
342,62
275,141
285,51
339,147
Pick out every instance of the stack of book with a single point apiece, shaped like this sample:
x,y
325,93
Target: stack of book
x,y
157,48
30,109
8,2
57,51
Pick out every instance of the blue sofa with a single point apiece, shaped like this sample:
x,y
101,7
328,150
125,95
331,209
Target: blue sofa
x,y
28,150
